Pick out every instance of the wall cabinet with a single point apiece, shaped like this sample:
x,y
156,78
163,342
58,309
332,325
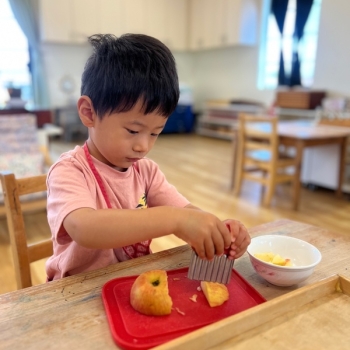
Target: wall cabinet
x,y
84,19
68,21
167,20
180,24
112,17
55,21
72,21
222,23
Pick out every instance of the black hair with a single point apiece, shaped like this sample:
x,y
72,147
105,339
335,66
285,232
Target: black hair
x,y
121,71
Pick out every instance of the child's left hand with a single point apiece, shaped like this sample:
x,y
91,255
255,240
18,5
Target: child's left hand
x,y
240,238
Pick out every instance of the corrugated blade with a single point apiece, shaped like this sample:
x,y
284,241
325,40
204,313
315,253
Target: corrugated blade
x,y
218,270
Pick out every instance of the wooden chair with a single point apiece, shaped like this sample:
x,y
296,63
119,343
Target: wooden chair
x,y
23,254
258,155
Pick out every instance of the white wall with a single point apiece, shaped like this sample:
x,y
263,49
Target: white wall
x,y
333,54
69,60
228,73
60,61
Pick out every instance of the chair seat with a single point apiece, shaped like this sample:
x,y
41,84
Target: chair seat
x,y
265,156
263,159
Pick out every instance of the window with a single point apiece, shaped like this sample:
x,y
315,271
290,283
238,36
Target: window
x,y
271,44
14,56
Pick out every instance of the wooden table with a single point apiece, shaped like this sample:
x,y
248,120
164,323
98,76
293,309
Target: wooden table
x,y
69,314
303,134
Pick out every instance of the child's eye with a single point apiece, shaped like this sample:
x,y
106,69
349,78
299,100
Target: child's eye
x,y
132,131
155,135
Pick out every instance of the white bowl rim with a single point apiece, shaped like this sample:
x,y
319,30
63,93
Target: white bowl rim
x,y
295,268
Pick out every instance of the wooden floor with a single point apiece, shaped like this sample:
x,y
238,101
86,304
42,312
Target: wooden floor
x,y
200,168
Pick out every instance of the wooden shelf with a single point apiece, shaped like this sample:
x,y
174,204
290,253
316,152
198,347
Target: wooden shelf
x,y
220,119
214,133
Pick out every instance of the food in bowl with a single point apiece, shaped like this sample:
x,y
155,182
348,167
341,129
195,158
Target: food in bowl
x,y
275,259
304,257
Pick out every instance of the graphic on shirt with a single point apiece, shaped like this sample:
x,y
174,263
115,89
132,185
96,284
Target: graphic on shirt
x,y
142,202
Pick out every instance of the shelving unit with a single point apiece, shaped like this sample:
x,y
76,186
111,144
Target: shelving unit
x,y
220,118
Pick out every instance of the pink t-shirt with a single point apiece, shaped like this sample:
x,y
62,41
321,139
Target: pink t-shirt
x,y
72,185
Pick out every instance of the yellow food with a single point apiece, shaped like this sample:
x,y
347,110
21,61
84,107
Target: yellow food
x,y
275,259
215,293
264,256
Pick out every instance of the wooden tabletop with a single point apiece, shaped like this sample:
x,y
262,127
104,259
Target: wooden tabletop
x,y
308,130
69,313
305,130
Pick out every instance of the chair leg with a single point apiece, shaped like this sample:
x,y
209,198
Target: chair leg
x,y
296,193
238,174
238,181
271,184
263,187
235,159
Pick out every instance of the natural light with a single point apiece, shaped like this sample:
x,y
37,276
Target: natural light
x,y
271,44
14,56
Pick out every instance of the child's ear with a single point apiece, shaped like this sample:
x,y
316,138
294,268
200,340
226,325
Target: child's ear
x,y
86,111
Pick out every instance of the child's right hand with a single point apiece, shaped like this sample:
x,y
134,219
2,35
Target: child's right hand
x,y
206,233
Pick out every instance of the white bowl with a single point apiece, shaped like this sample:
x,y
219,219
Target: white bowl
x,y
303,255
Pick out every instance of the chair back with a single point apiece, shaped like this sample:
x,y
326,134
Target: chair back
x,y
258,135
23,254
260,157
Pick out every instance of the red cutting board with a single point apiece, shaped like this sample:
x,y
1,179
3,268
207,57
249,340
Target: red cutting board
x,y
132,330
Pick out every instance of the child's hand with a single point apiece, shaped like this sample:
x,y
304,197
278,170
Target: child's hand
x,y
240,238
206,233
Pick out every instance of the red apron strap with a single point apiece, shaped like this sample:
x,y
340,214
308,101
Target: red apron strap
x,y
132,251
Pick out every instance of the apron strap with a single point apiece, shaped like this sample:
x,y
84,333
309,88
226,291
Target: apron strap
x,y
132,251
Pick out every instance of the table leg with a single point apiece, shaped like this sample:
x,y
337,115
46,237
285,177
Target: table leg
x,y
342,160
297,184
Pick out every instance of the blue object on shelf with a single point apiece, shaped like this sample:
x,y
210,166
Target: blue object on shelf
x,y
180,121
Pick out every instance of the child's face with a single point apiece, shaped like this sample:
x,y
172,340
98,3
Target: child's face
x,y
121,139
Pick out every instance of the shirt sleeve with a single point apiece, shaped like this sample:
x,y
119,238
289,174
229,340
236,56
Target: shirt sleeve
x,y
68,190
159,191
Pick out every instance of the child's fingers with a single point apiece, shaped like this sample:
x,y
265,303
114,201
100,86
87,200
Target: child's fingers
x,y
238,250
213,244
225,231
234,228
200,250
241,235
210,249
219,243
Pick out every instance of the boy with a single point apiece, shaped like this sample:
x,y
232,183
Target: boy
x,y
129,88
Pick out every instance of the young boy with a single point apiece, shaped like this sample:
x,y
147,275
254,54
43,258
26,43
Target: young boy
x,y
95,192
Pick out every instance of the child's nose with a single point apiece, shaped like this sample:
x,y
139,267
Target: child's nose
x,y
141,145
